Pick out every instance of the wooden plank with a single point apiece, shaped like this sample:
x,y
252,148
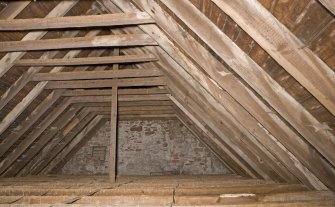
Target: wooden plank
x,y
283,139
75,149
74,142
329,4
121,98
125,82
54,128
105,92
203,138
13,9
91,75
114,126
7,61
78,42
68,132
299,61
156,33
87,60
256,77
17,152
76,21
26,124
25,78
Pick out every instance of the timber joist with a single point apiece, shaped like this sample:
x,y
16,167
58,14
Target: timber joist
x,y
252,80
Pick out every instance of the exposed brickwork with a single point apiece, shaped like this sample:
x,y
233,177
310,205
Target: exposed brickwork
x,y
144,148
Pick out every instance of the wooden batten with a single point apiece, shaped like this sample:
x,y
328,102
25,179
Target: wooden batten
x,y
78,42
91,75
76,21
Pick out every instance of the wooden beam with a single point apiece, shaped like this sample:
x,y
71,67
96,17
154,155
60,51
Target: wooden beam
x,y
7,61
60,165
129,103
106,92
29,121
17,152
114,126
68,133
76,21
121,98
256,77
329,4
125,82
13,9
299,61
78,42
203,138
54,128
91,75
25,78
86,60
281,140
95,121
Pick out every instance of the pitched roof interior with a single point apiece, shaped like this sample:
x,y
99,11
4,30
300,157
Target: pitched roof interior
x,y
245,94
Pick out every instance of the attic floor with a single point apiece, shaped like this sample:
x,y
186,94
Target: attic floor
x,y
156,191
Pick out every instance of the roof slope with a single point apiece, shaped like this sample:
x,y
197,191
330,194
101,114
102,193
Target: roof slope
x,y
253,79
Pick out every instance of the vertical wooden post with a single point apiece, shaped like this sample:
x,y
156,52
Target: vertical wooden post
x,y
113,140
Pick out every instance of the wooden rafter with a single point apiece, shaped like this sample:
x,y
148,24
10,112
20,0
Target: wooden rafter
x,y
13,9
284,47
329,4
89,75
60,10
26,77
29,122
270,121
256,77
155,32
67,149
54,129
68,133
17,152
78,42
76,21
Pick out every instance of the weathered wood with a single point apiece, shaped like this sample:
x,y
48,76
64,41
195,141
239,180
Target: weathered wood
x,y
271,122
78,42
25,78
121,98
329,4
256,77
76,21
202,137
125,82
86,60
114,126
82,143
74,142
7,61
17,152
91,75
54,128
284,47
29,121
69,131
13,9
105,92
